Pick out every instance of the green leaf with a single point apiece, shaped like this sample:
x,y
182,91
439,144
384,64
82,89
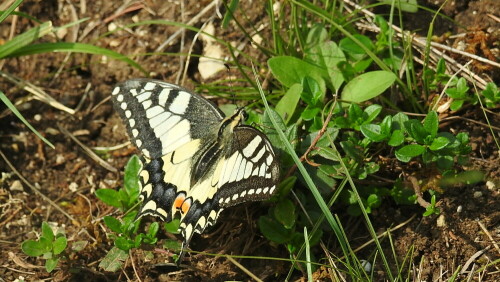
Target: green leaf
x,y
47,232
439,143
288,103
407,152
284,212
231,8
290,70
328,55
114,224
51,264
24,39
328,153
372,132
317,35
410,6
431,123
109,196
367,86
74,47
173,226
124,244
416,130
113,260
456,105
79,245
13,109
273,230
35,248
131,179
310,113
399,120
9,10
59,245
397,138
372,112
353,49
311,93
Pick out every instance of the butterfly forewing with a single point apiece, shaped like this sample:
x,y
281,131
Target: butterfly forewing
x,y
160,117
195,162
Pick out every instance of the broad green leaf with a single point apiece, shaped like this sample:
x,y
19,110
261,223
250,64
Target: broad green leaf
x,y
372,112
310,113
328,55
353,49
131,177
328,153
47,232
416,130
114,224
153,229
284,212
406,153
397,138
290,70
372,132
59,245
113,260
288,103
439,143
109,197
173,226
367,86
456,105
123,243
35,248
311,93
273,230
399,120
50,264
317,35
431,123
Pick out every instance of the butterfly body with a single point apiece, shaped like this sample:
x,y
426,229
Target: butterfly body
x,y
196,162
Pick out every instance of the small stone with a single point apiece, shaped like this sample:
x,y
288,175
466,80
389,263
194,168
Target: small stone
x,y
16,186
367,266
459,209
441,222
490,185
112,26
478,194
60,159
73,187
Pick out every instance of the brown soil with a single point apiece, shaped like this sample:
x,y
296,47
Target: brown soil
x,y
69,177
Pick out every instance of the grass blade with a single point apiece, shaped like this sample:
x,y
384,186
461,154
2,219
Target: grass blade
x,y
19,116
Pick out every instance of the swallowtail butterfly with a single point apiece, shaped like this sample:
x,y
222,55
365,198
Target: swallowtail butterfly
x,y
195,161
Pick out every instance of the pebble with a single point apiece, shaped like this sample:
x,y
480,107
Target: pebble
x,y
441,222
478,194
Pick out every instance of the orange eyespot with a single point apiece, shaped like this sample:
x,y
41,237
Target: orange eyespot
x,y
179,200
186,205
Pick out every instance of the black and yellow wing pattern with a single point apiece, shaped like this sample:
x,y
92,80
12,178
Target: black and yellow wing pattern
x,y
196,161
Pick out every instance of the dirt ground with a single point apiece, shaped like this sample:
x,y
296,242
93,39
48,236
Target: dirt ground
x,y
69,177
